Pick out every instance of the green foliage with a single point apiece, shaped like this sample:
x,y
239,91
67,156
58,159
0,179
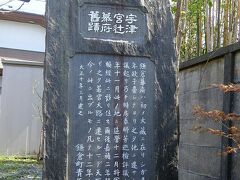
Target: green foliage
x,y
13,167
202,26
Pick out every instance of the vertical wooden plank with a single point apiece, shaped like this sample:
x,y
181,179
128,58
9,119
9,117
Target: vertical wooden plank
x,y
226,164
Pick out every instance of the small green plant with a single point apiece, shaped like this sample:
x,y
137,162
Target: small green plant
x,y
15,167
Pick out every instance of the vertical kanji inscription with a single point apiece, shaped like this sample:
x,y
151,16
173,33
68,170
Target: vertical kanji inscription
x,y
111,120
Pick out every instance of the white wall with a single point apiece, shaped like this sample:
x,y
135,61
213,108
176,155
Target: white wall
x,y
20,118
34,6
22,36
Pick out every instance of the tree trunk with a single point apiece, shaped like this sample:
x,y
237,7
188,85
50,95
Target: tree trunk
x,y
226,24
178,16
198,34
218,23
178,27
207,28
212,27
238,20
230,25
181,37
210,42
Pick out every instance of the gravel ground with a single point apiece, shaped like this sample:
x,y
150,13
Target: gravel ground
x,y
16,168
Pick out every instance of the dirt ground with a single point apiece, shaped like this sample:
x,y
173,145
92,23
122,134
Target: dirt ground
x,y
19,168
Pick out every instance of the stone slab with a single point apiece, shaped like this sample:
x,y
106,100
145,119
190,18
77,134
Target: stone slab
x,y
111,123
108,22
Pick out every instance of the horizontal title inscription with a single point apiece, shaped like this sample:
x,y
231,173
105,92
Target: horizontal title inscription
x,y
107,22
112,22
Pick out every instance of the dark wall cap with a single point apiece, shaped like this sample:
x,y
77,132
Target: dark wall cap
x,y
218,53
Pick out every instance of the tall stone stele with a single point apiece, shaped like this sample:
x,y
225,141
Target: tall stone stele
x,y
110,82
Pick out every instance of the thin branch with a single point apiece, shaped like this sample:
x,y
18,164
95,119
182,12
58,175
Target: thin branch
x,y
228,88
8,11
6,3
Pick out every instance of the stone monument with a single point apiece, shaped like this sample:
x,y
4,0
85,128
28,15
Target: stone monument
x,y
110,83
